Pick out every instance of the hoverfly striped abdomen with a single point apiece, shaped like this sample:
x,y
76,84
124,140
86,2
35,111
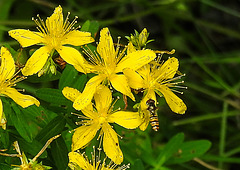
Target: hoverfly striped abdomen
x,y
153,114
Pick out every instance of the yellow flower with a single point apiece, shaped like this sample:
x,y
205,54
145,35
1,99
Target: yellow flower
x,y
79,161
7,80
108,64
99,117
54,35
155,77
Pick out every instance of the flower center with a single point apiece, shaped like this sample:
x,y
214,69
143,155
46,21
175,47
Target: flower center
x,y
102,119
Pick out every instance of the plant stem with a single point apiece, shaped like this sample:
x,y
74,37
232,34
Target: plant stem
x,y
223,133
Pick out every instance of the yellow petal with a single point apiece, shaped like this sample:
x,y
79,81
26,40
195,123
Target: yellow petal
x,y
111,144
145,120
129,120
149,95
119,82
135,81
135,60
36,62
174,102
168,69
144,113
72,56
83,135
77,38
78,159
26,37
1,110
7,68
130,48
54,23
103,98
70,93
105,47
20,99
86,97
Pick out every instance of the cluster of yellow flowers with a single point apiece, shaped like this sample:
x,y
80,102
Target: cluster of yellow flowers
x,y
133,67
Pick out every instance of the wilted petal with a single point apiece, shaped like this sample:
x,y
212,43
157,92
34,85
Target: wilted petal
x,y
20,99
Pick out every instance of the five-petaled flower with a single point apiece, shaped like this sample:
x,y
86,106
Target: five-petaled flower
x,y
53,35
108,64
155,77
99,117
79,161
8,79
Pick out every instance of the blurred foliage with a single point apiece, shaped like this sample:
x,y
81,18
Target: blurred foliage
x,y
206,37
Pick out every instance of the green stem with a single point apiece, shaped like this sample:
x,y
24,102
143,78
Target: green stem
x,y
223,133
203,118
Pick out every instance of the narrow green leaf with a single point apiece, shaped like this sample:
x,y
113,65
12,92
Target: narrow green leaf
x,y
53,96
189,150
170,148
54,127
32,148
60,153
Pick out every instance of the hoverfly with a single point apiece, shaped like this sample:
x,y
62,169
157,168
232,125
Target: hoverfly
x,y
153,114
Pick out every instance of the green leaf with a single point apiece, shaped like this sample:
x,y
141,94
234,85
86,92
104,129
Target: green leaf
x,y
68,77
189,150
4,136
5,7
54,127
53,96
138,165
21,122
44,78
5,166
80,82
32,148
60,153
90,26
170,148
71,78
